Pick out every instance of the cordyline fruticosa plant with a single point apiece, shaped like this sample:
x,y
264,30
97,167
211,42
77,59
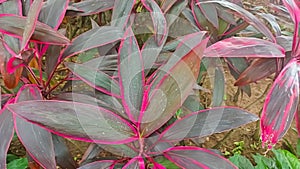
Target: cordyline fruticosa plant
x,y
135,96
281,104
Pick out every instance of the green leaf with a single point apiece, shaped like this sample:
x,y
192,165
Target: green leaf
x,y
11,157
264,162
298,147
21,163
286,160
166,163
241,162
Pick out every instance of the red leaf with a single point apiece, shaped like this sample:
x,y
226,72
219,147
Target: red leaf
x,y
280,105
31,21
244,47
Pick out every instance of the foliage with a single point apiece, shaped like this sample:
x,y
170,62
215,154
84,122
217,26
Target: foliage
x,y
283,159
133,87
16,162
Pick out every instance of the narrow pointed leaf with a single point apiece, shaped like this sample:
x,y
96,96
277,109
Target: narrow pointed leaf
x,y
259,69
51,60
158,19
53,12
77,121
247,16
93,38
106,101
167,4
219,87
62,154
244,47
6,134
207,122
12,7
150,53
121,12
195,158
34,138
14,26
174,12
90,7
131,75
271,19
135,163
210,12
172,88
95,78
31,21
280,105
104,164
294,10
236,67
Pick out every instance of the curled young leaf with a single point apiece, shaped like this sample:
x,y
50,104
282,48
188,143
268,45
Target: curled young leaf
x,y
281,104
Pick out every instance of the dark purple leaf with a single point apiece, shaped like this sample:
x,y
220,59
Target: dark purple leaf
x,y
155,147
247,16
207,122
219,87
121,149
95,78
188,14
175,11
192,104
53,12
210,12
236,67
272,21
121,12
34,138
6,134
173,85
281,104
77,121
107,64
131,75
150,53
93,38
294,11
52,56
31,21
89,7
14,26
107,102
200,19
62,154
285,41
195,158
244,47
104,164
167,4
135,163
259,69
91,153
159,21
